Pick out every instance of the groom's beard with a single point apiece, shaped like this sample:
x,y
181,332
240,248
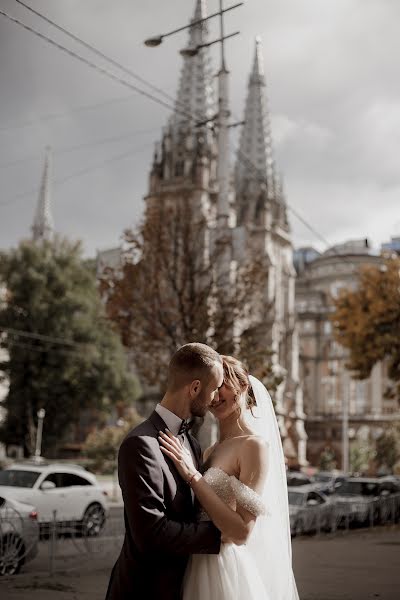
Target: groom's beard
x,y
199,406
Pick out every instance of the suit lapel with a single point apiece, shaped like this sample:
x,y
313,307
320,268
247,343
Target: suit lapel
x,y
160,425
196,452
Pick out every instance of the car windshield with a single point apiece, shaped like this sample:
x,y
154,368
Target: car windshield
x,y
295,499
18,478
359,488
323,478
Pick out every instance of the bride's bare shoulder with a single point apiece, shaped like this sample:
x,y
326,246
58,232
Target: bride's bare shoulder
x,y
254,448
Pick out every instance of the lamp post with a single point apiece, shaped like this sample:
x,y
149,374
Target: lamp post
x,y
345,423
41,413
222,122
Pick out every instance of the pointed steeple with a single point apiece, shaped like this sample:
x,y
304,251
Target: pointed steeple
x,y
195,91
43,223
256,140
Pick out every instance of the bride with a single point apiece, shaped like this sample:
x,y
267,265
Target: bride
x,y
243,491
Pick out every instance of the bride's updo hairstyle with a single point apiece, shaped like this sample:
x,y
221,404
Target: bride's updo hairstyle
x,y
236,376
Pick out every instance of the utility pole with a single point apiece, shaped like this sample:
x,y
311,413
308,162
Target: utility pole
x,y
345,424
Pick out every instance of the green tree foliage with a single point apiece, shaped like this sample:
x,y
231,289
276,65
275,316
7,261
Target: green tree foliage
x,y
327,459
367,321
361,454
388,448
102,445
61,352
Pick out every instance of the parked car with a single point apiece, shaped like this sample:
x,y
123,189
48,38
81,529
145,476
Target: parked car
x,y
309,510
19,535
367,499
65,493
297,478
328,482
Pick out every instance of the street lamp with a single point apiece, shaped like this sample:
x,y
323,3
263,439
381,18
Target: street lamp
x,y
193,51
156,40
41,413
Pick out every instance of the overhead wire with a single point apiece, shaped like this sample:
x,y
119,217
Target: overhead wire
x,y
66,150
140,91
96,51
94,66
63,180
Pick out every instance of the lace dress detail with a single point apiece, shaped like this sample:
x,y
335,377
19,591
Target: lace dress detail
x,y
233,573
230,489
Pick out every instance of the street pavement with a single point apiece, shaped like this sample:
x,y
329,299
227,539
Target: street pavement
x,y
355,565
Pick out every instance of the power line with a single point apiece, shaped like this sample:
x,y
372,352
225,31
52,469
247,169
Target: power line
x,y
150,96
77,174
65,113
44,349
66,150
97,51
94,66
41,337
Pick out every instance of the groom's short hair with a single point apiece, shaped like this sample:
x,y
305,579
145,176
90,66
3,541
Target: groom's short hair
x,y
190,362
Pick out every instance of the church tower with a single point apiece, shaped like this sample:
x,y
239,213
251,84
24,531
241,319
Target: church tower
x,y
42,228
185,160
262,214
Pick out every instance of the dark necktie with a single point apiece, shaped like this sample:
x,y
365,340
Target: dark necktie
x,y
185,427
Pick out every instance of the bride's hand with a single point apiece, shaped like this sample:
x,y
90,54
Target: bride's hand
x,y
181,457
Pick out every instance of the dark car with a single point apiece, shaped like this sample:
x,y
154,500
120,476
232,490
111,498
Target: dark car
x,y
297,478
328,482
309,510
367,500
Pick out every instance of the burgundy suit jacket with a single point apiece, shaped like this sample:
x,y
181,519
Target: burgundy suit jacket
x,y
161,528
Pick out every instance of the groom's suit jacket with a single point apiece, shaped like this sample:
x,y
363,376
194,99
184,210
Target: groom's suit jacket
x,y
161,530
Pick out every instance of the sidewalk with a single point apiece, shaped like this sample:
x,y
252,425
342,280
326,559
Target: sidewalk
x,y
359,565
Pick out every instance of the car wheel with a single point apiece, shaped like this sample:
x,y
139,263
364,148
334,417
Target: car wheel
x,y
300,527
93,520
11,554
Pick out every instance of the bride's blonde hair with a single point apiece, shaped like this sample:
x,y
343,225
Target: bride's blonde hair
x,y
236,376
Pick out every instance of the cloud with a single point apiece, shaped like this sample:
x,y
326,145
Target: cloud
x,y
333,87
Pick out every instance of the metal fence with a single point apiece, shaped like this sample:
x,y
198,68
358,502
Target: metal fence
x,y
57,545
338,515
49,548
19,536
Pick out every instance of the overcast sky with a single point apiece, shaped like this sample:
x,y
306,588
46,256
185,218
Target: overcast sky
x,y
332,68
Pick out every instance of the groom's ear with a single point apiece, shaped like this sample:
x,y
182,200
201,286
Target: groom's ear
x,y
195,387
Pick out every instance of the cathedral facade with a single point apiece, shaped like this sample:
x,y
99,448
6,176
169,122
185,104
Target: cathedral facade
x,y
250,214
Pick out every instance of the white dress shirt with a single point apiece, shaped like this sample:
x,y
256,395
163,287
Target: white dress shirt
x,y
173,422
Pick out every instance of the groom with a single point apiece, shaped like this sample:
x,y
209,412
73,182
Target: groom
x,y
161,530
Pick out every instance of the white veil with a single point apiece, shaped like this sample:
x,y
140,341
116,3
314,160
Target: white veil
x,y
270,542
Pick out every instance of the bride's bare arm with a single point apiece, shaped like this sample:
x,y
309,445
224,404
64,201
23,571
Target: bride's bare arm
x,y
235,525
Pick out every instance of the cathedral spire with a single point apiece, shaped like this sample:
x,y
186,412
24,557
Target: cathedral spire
x,y
195,93
256,141
43,223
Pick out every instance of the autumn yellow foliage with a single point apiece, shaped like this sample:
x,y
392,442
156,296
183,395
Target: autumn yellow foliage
x,y
367,321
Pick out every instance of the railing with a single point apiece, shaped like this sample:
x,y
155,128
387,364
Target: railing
x,y
19,536
344,516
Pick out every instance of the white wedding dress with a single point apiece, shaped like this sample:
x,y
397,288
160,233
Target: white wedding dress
x,y
232,574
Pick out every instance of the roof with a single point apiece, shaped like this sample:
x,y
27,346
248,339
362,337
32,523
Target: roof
x,y
47,466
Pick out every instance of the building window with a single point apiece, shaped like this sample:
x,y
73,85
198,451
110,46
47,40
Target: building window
x,y
327,327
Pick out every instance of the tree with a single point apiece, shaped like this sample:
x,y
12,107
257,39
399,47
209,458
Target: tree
x,y
61,352
102,445
327,459
388,448
361,454
367,321
170,292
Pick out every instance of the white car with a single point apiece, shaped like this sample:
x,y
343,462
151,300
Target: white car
x,y
62,493
19,535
